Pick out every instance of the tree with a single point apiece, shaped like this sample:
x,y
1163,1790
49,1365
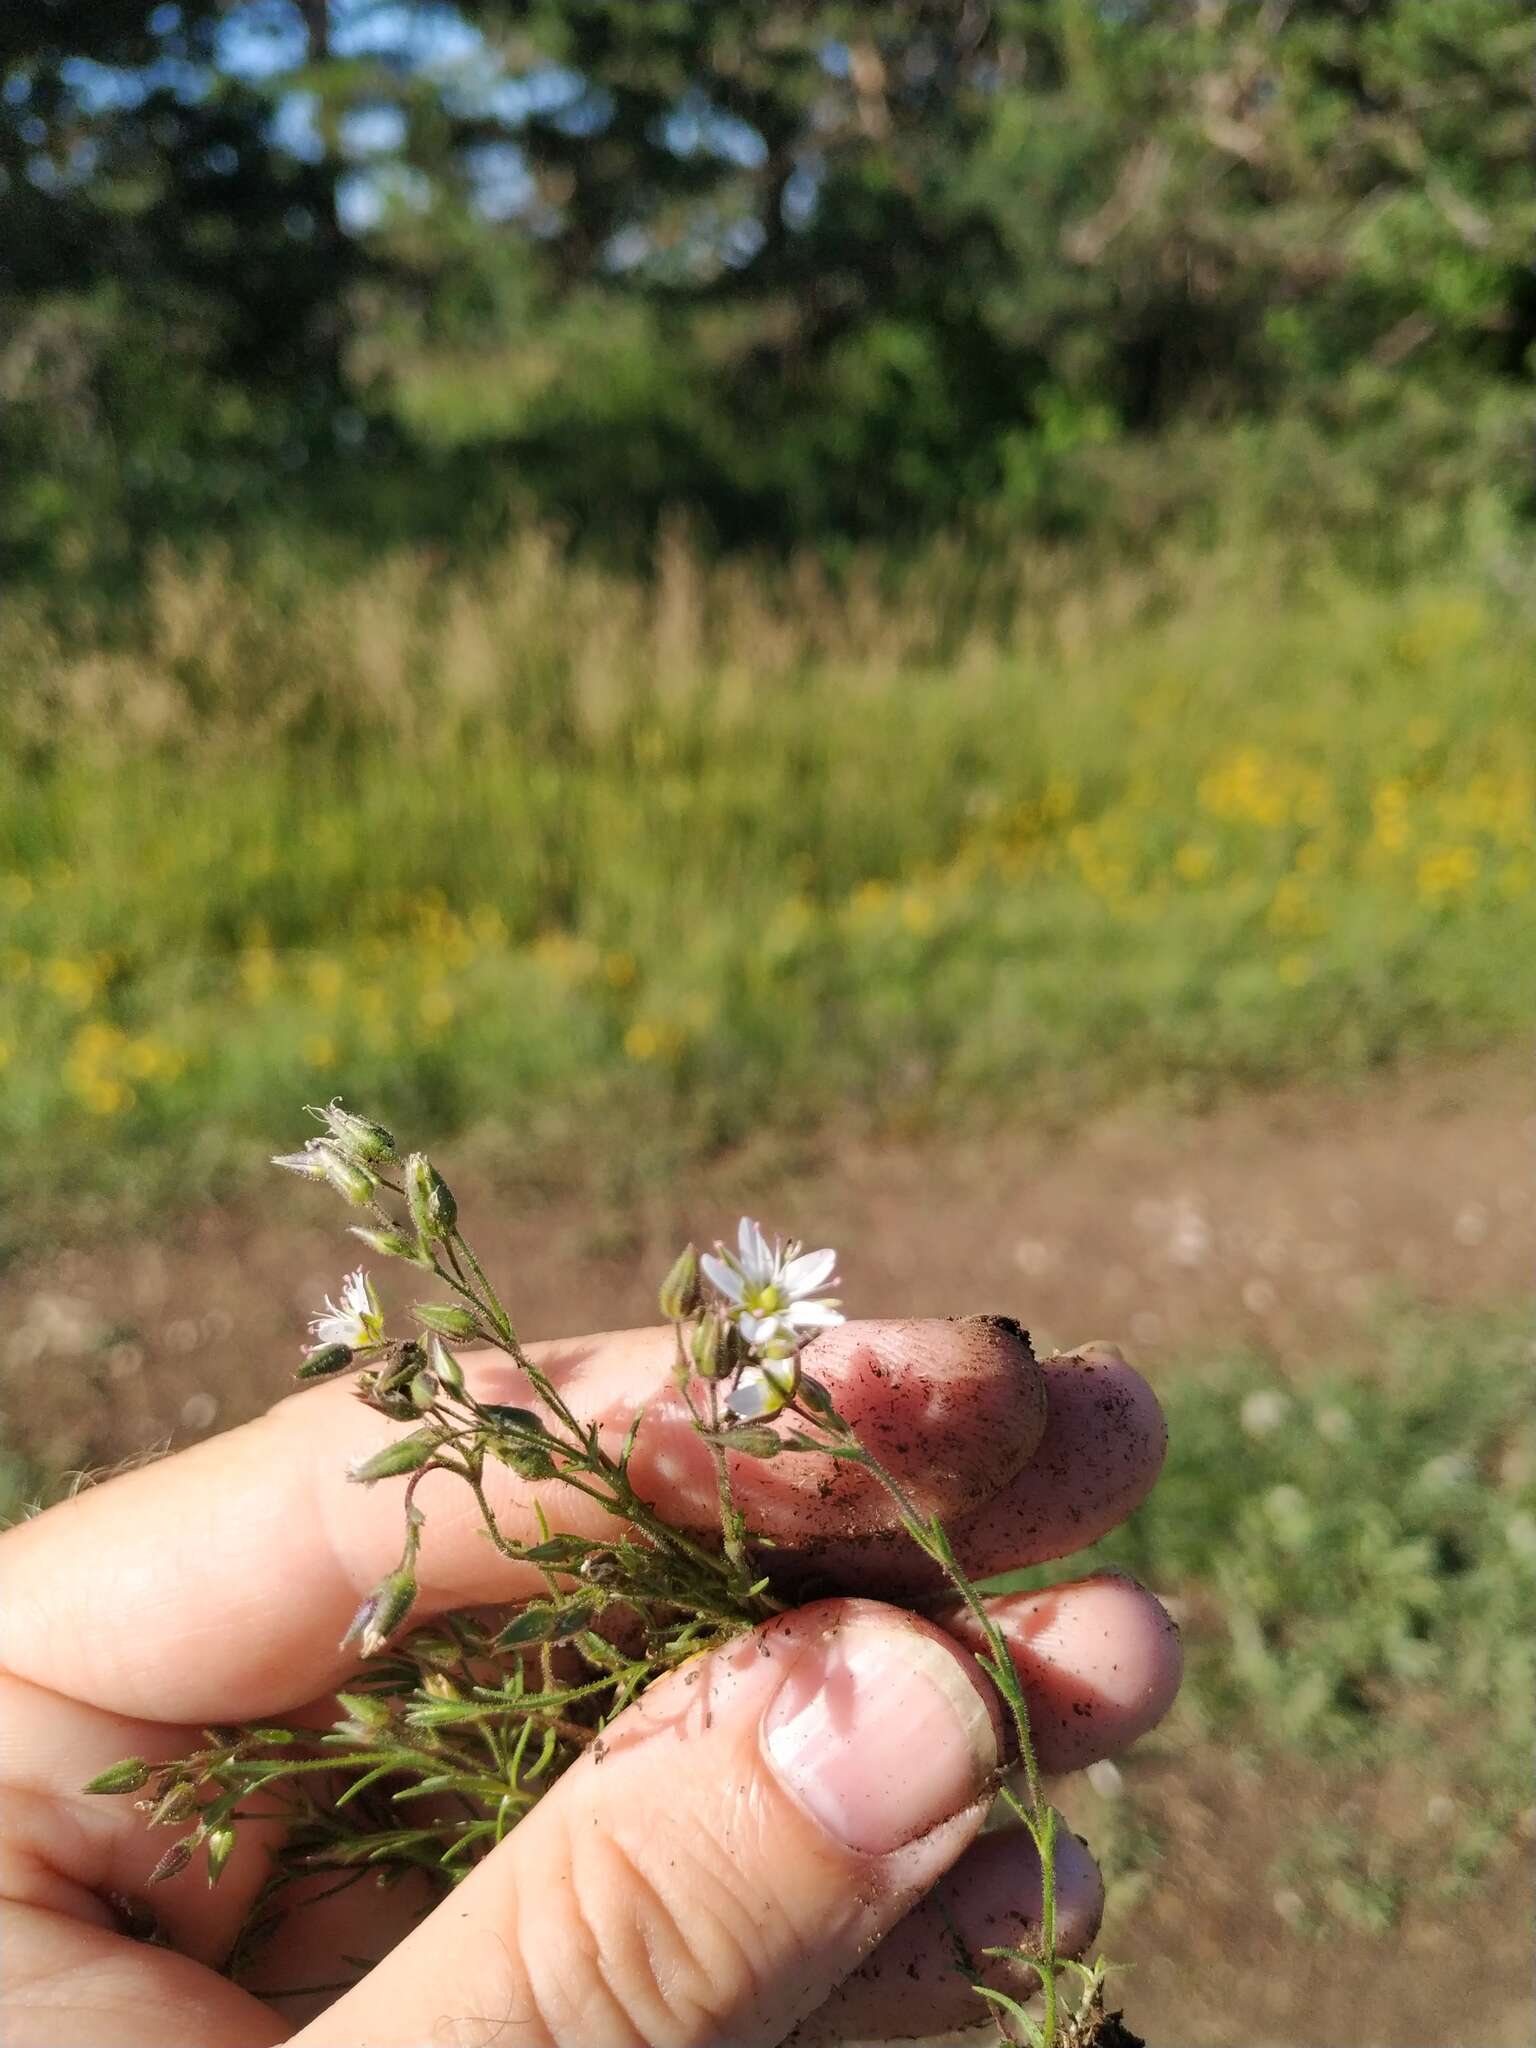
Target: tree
x,y
807,268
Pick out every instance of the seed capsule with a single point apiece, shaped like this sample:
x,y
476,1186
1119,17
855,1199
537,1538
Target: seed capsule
x,y
433,1209
362,1140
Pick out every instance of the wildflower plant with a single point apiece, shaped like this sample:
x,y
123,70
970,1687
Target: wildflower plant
x,y
452,1730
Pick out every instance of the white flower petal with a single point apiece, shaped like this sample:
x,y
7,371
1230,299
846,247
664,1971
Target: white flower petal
x,y
810,1271
815,1315
754,1396
355,1319
722,1274
758,1262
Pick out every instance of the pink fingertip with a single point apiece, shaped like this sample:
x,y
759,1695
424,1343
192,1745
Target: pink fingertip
x,y
1100,1659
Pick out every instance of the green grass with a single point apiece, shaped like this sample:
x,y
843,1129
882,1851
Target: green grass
x,y
642,870
1357,1561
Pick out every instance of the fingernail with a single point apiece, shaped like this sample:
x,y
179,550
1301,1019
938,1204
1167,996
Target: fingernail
x,y
879,1733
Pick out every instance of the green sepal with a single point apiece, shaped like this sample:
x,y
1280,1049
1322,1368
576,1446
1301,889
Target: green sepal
x,y
128,1776
445,1319
407,1454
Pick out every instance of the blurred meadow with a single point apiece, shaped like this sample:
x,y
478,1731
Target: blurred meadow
x,y
538,845
921,620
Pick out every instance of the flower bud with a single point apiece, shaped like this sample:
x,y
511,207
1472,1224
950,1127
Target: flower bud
x,y
389,1244
325,1360
751,1442
433,1209
174,1804
175,1859
680,1290
366,1711
506,1417
383,1611
706,1344
355,1182
126,1776
445,1319
406,1454
219,1843
423,1391
362,1140
447,1368
525,1446
813,1396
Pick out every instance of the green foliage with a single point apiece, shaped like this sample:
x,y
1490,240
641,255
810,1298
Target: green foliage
x,y
539,848
820,270
1364,1541
1356,1558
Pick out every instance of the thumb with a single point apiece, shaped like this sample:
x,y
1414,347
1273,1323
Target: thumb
x,y
714,1865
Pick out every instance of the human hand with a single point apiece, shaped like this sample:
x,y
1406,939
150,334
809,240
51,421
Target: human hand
x,y
755,1825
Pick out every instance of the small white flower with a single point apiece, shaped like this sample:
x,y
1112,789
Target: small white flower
x,y
357,1320
773,1291
762,1390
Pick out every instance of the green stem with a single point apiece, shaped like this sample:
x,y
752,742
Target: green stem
x,y
1039,1817
498,1314
450,1280
733,1525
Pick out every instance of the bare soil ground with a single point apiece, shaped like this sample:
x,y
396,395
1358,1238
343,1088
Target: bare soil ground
x,y
1280,1222
1215,1959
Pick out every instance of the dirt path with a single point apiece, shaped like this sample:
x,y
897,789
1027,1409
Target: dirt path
x,y
1280,1222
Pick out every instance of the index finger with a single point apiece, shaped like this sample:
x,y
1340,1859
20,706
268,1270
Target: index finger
x,y
217,1584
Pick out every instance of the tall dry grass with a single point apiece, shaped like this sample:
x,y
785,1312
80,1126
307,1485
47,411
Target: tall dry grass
x,y
737,848
421,649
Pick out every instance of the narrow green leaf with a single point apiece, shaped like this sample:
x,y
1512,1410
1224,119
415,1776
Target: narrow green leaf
x,y
559,1550
534,1625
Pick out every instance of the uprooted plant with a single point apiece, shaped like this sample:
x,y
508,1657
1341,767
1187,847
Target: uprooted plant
x,y
452,1730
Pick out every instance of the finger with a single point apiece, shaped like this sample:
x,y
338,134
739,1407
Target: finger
x,y
912,1986
219,1583
1098,1458
70,1851
69,1985
741,1837
70,1854
1100,1662
953,1411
